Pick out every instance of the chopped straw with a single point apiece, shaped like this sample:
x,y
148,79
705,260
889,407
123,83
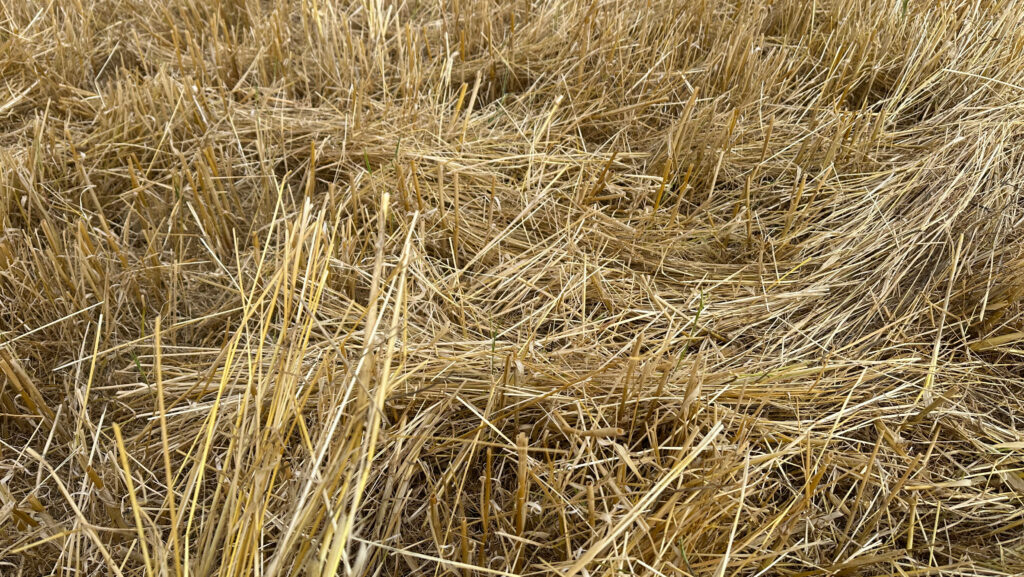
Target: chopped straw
x,y
549,287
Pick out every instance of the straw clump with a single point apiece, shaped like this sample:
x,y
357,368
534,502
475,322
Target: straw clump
x,y
300,287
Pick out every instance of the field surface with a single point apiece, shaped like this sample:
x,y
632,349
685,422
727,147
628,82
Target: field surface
x,y
573,288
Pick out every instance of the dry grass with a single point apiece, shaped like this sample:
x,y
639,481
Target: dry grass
x,y
303,287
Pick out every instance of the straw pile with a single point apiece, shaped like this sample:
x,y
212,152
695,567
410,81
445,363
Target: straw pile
x,y
305,287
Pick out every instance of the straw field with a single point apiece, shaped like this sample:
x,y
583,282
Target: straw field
x,y
691,288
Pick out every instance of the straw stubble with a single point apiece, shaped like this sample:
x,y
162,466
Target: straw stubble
x,y
511,288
